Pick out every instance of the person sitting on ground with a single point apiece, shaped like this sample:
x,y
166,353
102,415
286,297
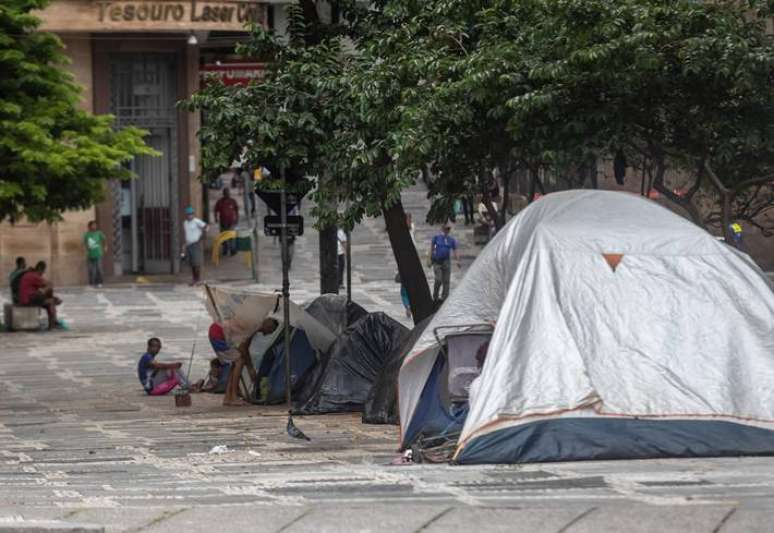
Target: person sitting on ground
x,y
36,291
14,279
158,378
214,380
238,357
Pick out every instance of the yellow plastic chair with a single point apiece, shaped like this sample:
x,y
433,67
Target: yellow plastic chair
x,y
217,246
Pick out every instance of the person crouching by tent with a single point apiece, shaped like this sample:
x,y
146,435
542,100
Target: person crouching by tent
x,y
158,378
260,342
237,357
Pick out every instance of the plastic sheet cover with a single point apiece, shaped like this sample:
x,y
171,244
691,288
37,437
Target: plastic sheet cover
x,y
381,406
334,312
355,361
683,327
240,310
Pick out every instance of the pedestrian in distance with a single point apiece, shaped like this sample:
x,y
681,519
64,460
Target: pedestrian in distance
x,y
15,278
195,230
227,216
94,241
737,238
467,209
37,291
341,248
157,378
442,247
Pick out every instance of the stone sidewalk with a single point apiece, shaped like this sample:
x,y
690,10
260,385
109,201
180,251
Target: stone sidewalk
x,y
83,445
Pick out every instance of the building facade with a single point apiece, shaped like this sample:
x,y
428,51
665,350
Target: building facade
x,y
135,59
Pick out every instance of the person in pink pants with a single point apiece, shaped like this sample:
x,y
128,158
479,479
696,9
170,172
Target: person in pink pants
x,y
158,378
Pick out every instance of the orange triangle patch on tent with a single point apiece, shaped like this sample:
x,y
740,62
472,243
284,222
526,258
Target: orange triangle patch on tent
x,y
613,260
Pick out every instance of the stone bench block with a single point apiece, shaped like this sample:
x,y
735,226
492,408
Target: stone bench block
x,y
21,318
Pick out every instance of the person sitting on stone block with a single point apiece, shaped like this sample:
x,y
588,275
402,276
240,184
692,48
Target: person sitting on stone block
x,y
159,378
37,291
14,278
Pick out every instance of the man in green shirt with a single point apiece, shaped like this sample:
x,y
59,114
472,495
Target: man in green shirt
x,y
94,240
15,277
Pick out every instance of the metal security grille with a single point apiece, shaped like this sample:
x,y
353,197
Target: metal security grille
x,y
143,94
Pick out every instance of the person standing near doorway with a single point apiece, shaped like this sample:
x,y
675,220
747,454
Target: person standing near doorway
x,y
341,248
193,250
442,247
94,240
227,216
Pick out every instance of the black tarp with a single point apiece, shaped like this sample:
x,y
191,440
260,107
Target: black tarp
x,y
354,362
381,406
334,312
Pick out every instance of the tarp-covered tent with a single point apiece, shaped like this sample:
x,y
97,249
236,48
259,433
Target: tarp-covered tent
x,y
622,331
357,358
241,311
381,406
335,312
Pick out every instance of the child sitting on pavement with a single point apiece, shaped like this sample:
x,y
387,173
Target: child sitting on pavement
x,y
216,378
158,378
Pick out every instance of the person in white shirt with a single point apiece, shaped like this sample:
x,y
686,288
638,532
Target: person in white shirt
x,y
195,229
341,244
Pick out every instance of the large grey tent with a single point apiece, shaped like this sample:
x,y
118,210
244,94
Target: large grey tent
x,y
621,331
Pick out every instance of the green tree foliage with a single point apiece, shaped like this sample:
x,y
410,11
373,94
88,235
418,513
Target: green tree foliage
x,y
460,89
319,113
53,155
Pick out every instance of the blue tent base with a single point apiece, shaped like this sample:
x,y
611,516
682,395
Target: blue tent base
x,y
581,439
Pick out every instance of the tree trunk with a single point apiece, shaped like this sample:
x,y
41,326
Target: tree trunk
x,y
483,182
591,168
535,185
506,203
329,282
725,210
412,274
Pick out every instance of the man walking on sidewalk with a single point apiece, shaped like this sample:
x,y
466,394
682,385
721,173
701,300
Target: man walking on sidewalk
x,y
94,240
227,215
195,229
441,248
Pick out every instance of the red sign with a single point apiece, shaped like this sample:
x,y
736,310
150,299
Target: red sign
x,y
232,73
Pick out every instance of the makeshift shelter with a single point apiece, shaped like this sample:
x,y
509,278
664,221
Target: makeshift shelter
x,y
335,312
345,378
241,311
621,331
381,406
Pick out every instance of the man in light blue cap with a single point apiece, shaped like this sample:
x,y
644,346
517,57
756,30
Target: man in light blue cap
x,y
195,230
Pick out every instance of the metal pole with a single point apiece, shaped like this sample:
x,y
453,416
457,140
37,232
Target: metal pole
x,y
254,249
292,430
285,291
349,247
349,268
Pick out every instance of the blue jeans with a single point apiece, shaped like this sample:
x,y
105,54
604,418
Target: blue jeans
x,y
95,271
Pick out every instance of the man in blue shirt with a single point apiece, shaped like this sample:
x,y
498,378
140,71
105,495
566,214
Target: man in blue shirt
x,y
158,378
442,247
